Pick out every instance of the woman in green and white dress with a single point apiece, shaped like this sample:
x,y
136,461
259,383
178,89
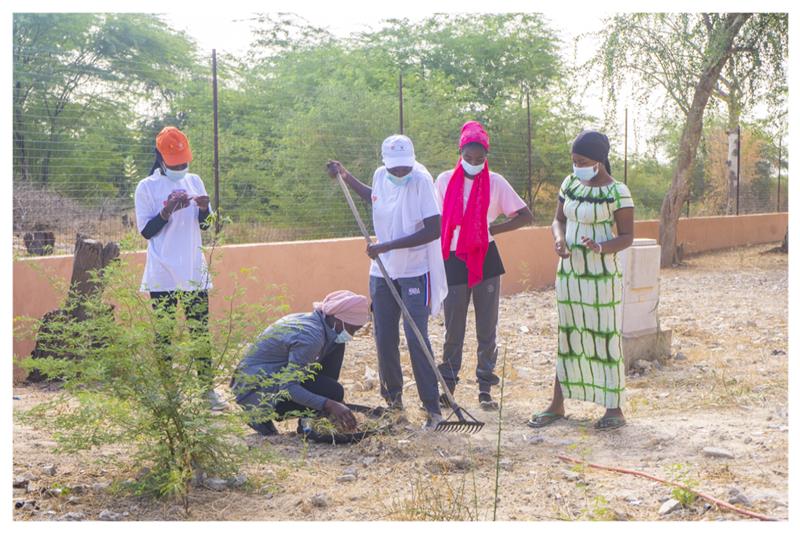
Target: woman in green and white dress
x,y
590,365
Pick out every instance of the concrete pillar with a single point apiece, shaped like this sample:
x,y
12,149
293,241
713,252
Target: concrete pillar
x,y
642,337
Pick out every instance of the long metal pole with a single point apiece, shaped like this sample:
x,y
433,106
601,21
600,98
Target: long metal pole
x,y
780,140
216,139
401,102
738,164
530,153
626,146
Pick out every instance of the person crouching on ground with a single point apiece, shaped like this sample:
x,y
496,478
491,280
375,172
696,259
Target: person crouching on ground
x,y
293,344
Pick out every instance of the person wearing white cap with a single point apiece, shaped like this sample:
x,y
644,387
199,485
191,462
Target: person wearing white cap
x,y
406,217
294,343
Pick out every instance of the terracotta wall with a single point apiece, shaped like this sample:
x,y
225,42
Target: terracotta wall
x,y
305,271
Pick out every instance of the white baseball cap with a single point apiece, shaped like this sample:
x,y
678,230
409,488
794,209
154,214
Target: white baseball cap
x,y
398,151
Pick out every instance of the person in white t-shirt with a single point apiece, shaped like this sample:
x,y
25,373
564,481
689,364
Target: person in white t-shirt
x,y
472,198
172,206
405,215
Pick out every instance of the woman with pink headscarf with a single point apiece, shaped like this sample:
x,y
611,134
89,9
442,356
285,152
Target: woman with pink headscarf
x,y
292,345
472,197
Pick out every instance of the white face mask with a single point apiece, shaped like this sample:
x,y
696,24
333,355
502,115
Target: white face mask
x,y
472,170
344,336
585,173
176,175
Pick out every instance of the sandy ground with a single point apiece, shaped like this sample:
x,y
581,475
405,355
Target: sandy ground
x,y
725,386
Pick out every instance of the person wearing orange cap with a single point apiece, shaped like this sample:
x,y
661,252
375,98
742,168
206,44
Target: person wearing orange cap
x,y
295,342
172,207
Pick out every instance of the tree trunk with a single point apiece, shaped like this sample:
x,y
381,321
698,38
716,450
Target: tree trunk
x,y
785,244
721,49
90,257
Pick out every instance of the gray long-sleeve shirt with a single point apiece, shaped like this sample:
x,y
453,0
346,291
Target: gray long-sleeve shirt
x,y
298,339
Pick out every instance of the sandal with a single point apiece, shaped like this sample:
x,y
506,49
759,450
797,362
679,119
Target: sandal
x,y
608,423
540,420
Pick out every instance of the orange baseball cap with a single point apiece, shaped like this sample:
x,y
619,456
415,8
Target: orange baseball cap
x,y
174,146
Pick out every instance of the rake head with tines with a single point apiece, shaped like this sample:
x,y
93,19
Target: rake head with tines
x,y
465,423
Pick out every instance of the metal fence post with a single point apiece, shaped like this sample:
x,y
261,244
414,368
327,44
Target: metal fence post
x,y
626,148
400,84
780,146
216,138
530,153
738,165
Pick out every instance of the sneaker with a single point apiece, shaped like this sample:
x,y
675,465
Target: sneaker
x,y
265,428
215,401
486,402
433,420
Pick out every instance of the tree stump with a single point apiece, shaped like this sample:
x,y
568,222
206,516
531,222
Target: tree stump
x,y
39,242
91,256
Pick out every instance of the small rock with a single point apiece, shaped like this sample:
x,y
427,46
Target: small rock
x,y
351,471
711,451
669,506
680,356
459,462
533,439
109,516
73,517
748,440
21,483
778,352
49,470
320,500
571,475
736,497
642,364
30,505
53,492
74,500
237,481
524,329
100,486
79,489
346,478
506,464
215,483
366,461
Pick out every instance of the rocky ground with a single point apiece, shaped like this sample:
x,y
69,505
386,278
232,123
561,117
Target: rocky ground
x,y
713,415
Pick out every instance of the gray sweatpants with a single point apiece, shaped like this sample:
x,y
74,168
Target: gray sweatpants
x,y
386,321
486,299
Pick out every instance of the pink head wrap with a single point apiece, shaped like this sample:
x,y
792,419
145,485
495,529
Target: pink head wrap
x,y
473,132
347,306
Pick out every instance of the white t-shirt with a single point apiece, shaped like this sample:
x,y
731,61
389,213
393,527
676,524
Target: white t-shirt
x,y
503,199
392,207
175,258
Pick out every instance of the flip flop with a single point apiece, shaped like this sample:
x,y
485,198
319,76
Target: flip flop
x,y
540,420
608,423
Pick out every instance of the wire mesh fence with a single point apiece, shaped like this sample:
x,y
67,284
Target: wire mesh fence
x,y
83,142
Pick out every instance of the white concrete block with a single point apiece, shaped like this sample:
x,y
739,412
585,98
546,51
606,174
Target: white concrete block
x,y
639,317
645,265
647,294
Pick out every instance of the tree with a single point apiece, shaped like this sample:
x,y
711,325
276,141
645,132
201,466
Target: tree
x,y
72,70
659,51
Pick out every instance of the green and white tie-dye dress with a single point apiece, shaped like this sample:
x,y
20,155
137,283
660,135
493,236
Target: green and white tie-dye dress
x,y
589,293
